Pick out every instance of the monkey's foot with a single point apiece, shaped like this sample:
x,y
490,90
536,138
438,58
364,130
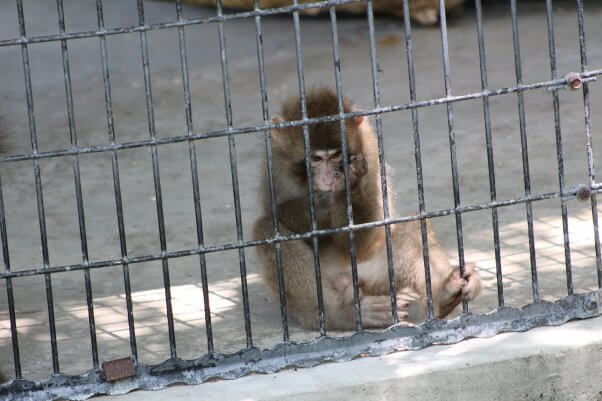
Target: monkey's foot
x,y
376,310
426,16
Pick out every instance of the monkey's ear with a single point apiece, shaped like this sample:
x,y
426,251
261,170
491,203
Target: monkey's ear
x,y
275,133
357,120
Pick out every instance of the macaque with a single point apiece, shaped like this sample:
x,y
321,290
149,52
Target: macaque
x,y
449,288
425,12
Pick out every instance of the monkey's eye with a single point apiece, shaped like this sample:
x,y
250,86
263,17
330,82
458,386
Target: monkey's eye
x,y
316,159
336,156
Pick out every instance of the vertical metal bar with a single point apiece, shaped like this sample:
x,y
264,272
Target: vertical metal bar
x,y
452,141
588,136
381,160
559,153
490,161
9,289
39,194
195,177
270,169
344,153
157,179
407,28
307,145
116,182
524,149
78,184
234,171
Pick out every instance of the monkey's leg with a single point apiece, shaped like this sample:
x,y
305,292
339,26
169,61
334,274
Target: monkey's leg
x,y
447,286
300,280
376,306
300,286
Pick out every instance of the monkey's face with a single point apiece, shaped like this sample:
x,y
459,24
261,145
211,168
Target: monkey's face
x,y
325,153
326,169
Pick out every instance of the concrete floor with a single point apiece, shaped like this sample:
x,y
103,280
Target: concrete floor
x,y
216,191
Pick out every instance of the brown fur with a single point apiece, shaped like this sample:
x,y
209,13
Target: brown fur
x,y
425,12
448,287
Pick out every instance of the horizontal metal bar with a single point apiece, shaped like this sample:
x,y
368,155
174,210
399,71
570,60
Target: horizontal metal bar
x,y
172,24
340,349
288,124
316,233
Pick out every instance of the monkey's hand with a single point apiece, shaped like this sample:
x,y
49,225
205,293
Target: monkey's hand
x,y
459,287
358,167
472,284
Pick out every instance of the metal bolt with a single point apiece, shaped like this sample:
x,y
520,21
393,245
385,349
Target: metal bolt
x,y
583,193
574,81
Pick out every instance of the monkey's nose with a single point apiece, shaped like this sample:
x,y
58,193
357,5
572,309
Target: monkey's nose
x,y
326,184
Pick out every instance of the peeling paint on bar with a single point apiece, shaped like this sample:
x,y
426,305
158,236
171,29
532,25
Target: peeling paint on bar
x,y
245,130
25,272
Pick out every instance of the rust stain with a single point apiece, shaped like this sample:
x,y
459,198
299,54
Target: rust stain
x,y
118,369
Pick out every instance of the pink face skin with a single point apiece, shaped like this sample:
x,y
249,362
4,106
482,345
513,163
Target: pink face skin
x,y
325,166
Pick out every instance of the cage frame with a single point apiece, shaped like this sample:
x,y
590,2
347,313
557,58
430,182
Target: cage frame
x,y
287,353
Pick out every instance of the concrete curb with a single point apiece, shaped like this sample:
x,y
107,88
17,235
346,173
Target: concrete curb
x,y
548,363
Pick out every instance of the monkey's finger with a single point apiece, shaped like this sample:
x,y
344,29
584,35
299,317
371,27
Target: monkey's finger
x,y
380,319
381,306
472,288
408,295
469,268
404,320
376,304
403,303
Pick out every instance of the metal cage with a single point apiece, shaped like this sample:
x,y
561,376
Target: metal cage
x,y
252,359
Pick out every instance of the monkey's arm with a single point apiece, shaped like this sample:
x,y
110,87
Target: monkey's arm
x,y
300,281
366,202
294,214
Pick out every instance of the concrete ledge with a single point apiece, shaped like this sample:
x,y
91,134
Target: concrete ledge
x,y
548,363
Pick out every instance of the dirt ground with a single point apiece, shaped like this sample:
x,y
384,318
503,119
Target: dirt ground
x,y
131,124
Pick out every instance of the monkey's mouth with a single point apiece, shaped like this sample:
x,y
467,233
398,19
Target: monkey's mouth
x,y
326,178
326,185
